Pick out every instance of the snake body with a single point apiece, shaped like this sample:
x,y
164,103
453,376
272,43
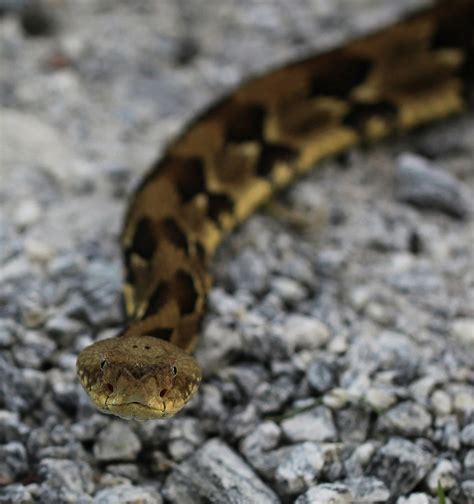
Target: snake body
x,y
231,159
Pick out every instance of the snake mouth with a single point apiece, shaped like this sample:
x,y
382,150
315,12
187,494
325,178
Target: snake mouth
x,y
134,410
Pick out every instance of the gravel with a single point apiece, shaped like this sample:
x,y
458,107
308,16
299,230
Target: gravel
x,y
210,473
419,183
338,345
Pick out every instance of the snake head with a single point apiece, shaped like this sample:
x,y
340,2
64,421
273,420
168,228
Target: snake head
x,y
140,378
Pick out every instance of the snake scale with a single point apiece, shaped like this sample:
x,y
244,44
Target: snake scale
x,y
231,159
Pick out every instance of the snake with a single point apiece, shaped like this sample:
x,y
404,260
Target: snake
x,y
231,159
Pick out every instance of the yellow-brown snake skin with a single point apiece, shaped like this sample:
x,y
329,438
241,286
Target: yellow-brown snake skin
x,y
231,159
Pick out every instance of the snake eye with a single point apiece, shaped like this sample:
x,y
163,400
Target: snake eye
x,y
103,364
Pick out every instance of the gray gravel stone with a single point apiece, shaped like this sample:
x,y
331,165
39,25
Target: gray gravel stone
x,y
34,350
28,384
65,481
299,469
289,290
467,435
13,462
463,330
265,437
301,332
11,428
407,418
419,183
188,429
9,331
356,463
213,474
467,488
218,345
127,493
463,398
117,442
326,493
39,144
441,402
27,213
241,422
270,397
128,471
469,462
15,494
416,498
401,465
316,424
293,468
447,433
367,490
353,424
250,271
64,329
320,376
445,473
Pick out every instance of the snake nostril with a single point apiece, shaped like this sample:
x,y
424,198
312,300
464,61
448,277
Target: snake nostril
x,y
163,392
110,387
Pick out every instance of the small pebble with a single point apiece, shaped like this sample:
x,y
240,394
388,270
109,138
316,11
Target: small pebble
x,y
13,462
407,418
401,465
117,442
210,473
128,493
326,493
463,330
316,424
423,185
441,402
445,473
467,435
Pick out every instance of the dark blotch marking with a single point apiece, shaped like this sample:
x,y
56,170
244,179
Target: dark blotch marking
x,y
455,30
164,333
245,124
158,299
189,177
218,204
201,252
340,76
185,292
270,154
144,240
306,121
361,113
174,234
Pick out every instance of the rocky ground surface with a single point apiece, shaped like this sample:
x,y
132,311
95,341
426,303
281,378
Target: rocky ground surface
x,y
338,346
